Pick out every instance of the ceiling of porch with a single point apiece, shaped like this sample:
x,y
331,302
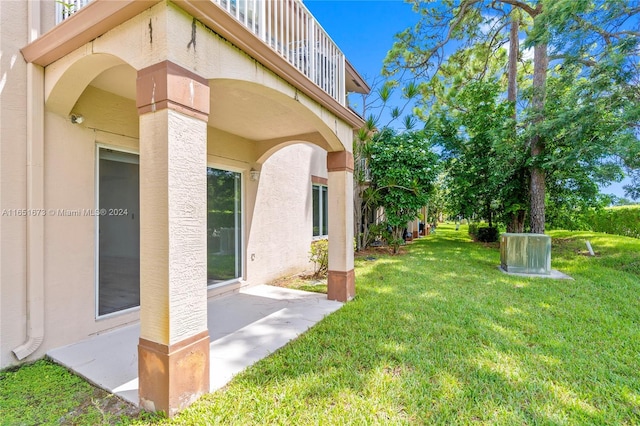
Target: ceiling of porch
x,y
233,109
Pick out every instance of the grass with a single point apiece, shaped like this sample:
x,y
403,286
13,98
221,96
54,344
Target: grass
x,y
440,336
44,393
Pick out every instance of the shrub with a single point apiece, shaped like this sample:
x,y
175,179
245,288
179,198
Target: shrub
x,y
473,230
624,220
488,235
379,232
479,231
319,255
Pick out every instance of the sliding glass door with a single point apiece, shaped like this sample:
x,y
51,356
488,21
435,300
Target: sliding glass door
x,y
118,231
118,258
224,226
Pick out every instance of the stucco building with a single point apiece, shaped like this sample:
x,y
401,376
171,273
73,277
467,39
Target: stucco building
x,y
156,153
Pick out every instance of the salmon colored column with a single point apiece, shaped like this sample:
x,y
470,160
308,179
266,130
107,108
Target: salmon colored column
x,y
173,351
415,228
341,279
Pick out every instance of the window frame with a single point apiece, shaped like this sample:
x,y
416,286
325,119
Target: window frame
x,y
322,210
240,237
96,260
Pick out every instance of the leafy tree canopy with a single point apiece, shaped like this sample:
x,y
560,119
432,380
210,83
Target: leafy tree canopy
x,y
403,170
579,99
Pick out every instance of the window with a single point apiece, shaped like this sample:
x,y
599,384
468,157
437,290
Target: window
x,y
224,226
320,211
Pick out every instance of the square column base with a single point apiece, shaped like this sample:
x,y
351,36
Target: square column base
x,y
341,285
172,377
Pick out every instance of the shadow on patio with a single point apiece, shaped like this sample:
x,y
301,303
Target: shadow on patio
x,y
243,327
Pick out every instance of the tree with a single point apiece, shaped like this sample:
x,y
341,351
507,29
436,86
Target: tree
x,y
403,171
515,210
632,165
599,38
619,201
474,125
470,134
437,206
585,132
374,105
632,190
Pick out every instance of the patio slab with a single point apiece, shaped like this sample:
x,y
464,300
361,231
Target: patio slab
x,y
554,275
243,327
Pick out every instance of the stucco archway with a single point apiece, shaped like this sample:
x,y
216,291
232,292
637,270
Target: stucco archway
x,y
272,117
66,80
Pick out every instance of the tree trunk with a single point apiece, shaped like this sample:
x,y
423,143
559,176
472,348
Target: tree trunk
x,y
537,187
397,234
426,214
516,224
514,50
357,214
516,219
489,215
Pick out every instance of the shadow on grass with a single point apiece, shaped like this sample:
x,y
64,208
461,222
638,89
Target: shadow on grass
x,y
439,335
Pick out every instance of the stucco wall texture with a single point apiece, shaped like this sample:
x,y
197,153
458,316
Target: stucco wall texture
x,y
13,176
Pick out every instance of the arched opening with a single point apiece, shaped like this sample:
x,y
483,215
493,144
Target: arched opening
x,y
268,116
67,80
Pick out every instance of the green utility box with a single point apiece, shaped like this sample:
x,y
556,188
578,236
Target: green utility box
x,y
525,253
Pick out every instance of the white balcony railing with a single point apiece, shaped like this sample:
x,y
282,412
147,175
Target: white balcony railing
x,y
290,29
287,27
66,8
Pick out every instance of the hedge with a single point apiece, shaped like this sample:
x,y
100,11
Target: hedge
x,y
483,233
622,220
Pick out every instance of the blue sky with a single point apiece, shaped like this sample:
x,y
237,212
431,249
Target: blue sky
x,y
364,30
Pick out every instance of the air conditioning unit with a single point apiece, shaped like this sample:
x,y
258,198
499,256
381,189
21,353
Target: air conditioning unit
x,y
525,253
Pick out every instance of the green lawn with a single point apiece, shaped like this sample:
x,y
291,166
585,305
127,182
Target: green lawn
x,y
44,393
441,336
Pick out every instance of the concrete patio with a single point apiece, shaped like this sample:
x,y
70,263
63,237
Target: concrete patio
x,y
243,327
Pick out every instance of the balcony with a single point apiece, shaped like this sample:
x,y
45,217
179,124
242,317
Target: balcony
x,y
287,27
66,8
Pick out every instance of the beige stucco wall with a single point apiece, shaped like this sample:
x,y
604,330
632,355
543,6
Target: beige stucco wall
x,y
281,227
15,25
173,252
277,208
70,181
12,177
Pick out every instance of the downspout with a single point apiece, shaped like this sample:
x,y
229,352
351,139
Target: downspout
x,y
35,196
